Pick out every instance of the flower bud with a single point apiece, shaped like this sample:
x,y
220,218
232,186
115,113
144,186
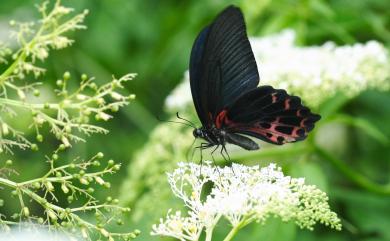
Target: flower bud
x,y
100,155
84,77
21,94
37,93
100,101
5,129
49,186
26,211
66,75
103,116
39,138
114,108
34,147
83,181
64,188
52,215
36,185
116,96
65,141
99,180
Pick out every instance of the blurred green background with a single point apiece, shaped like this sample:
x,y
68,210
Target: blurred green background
x,y
154,38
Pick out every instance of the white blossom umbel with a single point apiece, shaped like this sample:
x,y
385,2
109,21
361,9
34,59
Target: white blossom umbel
x,y
241,194
315,73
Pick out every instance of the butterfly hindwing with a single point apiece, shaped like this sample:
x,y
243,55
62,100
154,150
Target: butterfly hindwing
x,y
270,115
222,65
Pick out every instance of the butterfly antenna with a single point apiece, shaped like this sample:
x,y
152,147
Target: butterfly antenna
x,y
181,118
178,122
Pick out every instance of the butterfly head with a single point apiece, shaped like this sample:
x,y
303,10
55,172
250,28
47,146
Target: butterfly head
x,y
198,132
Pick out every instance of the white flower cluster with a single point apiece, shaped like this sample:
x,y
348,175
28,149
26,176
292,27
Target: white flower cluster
x,y
242,195
314,73
33,232
319,72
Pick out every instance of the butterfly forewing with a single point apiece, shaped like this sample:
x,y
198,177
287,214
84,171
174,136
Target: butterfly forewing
x,y
222,65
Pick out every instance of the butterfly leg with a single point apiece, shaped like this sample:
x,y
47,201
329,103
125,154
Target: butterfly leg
x,y
202,146
212,157
228,160
223,155
227,153
192,153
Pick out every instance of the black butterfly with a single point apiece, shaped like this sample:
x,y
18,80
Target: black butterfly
x,y
224,86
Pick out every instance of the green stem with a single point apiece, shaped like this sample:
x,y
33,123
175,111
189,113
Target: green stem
x,y
209,234
233,232
8,183
11,68
354,176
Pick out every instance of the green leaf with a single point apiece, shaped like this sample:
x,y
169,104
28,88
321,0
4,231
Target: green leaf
x,y
333,105
367,212
363,124
323,9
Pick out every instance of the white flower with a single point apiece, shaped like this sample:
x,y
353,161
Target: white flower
x,y
182,228
319,72
314,73
242,194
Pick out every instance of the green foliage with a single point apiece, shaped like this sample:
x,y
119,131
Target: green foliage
x,y
154,39
65,112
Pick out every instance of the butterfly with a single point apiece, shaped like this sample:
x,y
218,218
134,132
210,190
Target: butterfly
x,y
230,105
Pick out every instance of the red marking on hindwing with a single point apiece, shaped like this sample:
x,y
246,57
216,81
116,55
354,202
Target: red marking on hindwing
x,y
274,98
219,118
223,120
302,123
287,104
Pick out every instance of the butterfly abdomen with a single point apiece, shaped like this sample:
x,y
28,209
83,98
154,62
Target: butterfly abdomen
x,y
241,141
